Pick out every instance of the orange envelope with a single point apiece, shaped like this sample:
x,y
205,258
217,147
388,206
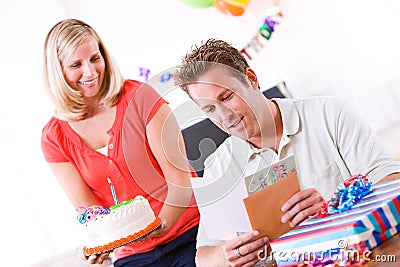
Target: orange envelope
x,y
264,206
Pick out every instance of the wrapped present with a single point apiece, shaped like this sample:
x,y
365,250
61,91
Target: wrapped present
x,y
373,219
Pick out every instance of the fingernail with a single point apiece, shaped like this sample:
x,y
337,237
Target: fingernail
x,y
91,258
256,233
283,208
283,219
265,239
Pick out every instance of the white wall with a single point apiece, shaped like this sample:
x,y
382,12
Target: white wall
x,y
32,202
348,49
343,48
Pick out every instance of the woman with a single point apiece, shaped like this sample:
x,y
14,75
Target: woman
x,y
107,127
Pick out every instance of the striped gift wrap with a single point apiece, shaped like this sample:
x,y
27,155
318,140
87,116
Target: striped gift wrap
x,y
368,223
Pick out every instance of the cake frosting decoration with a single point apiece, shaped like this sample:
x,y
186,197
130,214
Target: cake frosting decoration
x,y
91,213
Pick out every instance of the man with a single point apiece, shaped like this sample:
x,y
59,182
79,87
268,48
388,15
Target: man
x,y
328,141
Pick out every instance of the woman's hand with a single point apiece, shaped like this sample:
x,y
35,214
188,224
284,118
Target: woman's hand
x,y
161,230
301,206
96,258
245,250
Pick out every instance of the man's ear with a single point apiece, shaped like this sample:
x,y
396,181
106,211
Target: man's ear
x,y
252,78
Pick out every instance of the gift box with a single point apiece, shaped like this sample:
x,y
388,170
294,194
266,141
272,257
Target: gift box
x,y
373,219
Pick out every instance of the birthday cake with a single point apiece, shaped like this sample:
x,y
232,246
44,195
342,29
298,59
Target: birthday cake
x,y
108,228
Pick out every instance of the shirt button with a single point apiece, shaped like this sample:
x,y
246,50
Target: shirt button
x,y
111,146
110,162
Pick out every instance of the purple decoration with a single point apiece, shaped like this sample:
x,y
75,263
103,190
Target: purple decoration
x,y
145,73
165,77
270,23
91,213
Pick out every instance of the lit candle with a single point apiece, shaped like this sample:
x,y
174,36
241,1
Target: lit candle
x,y
113,191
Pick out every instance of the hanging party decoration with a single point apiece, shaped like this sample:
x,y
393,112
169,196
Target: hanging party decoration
x,y
165,77
144,75
264,32
268,27
254,45
144,72
242,3
229,7
199,3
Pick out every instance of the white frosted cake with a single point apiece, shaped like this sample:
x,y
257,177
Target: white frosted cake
x,y
109,228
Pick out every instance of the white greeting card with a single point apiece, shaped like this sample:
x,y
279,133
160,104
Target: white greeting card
x,y
220,201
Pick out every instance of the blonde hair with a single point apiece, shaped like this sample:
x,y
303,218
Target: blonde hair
x,y
61,41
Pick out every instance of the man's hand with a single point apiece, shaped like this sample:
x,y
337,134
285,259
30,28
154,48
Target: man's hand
x,y
301,206
244,250
390,177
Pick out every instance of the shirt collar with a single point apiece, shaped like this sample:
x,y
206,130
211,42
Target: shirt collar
x,y
290,122
252,150
291,125
290,116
